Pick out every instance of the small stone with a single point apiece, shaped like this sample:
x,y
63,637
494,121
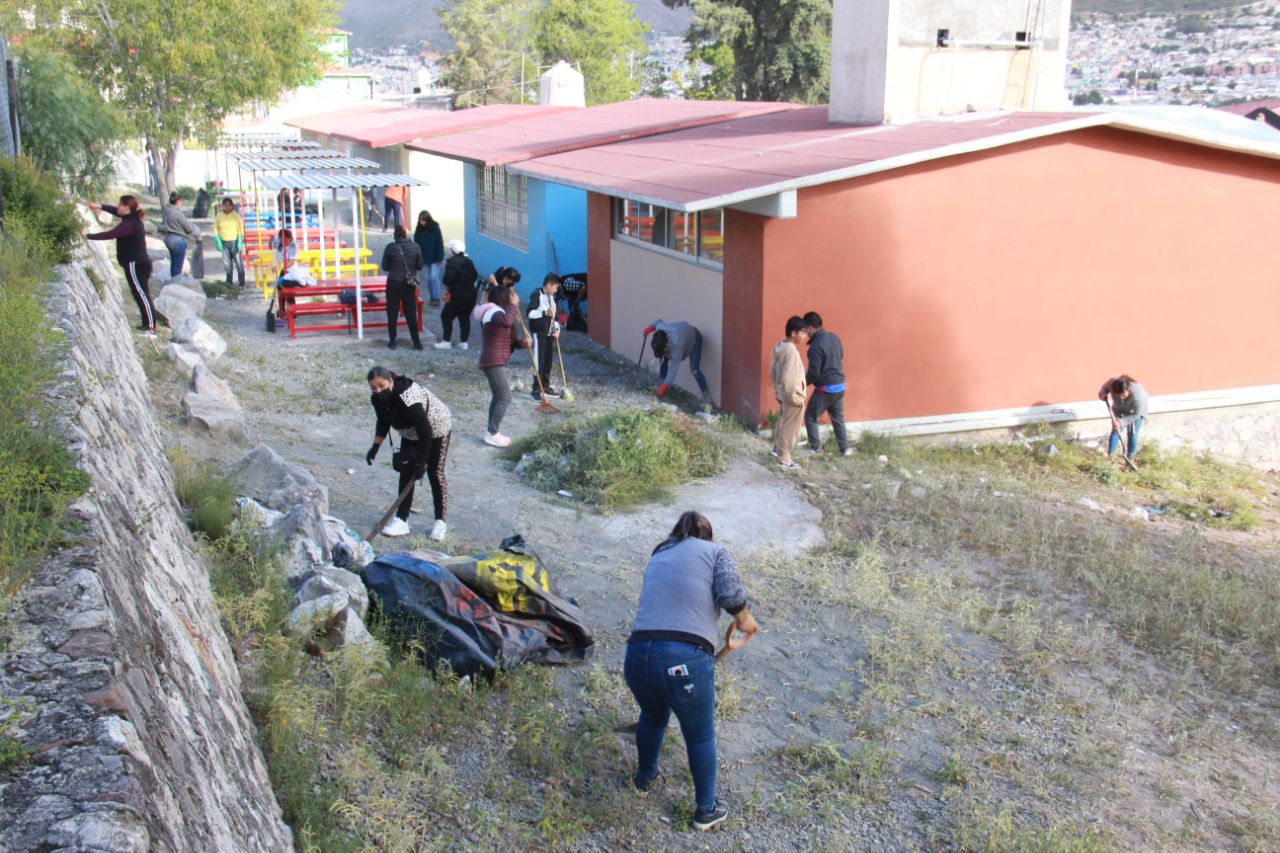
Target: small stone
x,y
1050,450
350,471
882,459
917,491
1090,503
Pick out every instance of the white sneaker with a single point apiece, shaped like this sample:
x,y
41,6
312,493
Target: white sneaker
x,y
396,527
438,530
496,439
463,345
442,345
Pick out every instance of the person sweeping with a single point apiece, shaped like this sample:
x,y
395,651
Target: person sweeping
x,y
1127,404
543,331
424,424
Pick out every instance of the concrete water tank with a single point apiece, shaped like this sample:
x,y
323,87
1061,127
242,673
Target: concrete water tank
x,y
561,86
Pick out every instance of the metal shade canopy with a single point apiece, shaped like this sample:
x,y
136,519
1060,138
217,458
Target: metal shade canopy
x,y
231,140
276,164
338,182
284,154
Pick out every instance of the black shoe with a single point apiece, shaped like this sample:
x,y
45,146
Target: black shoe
x,y
706,820
552,392
391,344
536,395
417,345
644,786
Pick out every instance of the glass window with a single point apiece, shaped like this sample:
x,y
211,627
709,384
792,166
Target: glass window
x,y
700,235
502,206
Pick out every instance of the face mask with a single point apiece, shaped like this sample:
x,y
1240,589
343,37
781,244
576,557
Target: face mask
x,y
383,396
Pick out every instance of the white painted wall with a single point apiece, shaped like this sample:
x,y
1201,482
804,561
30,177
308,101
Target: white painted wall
x,y
886,65
646,285
443,196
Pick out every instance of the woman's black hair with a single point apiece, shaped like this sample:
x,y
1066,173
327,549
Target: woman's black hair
x,y
399,233
229,200
690,525
550,278
174,198
1121,383
500,294
131,200
430,223
659,344
379,372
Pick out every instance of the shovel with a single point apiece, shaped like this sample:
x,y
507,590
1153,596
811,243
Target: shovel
x,y
1123,448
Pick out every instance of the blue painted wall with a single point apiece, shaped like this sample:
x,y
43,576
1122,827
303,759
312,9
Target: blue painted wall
x,y
556,211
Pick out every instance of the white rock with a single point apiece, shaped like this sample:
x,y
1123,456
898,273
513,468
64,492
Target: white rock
x,y
193,297
221,420
329,580
347,629
205,381
1090,503
202,336
185,357
705,417
316,613
186,281
917,491
175,310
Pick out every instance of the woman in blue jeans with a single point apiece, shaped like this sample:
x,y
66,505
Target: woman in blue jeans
x,y
670,662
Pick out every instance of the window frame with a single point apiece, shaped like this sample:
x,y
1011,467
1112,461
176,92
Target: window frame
x,y
510,207
658,212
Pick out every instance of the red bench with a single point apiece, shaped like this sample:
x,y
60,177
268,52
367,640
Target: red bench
x,y
290,309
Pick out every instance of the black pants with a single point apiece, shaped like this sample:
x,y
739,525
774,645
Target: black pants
x,y
433,454
138,275
461,309
543,347
401,294
832,405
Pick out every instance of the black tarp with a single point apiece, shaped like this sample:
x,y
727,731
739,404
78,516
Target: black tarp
x,y
426,603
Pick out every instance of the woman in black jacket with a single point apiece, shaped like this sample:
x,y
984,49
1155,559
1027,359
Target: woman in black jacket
x,y
424,424
402,261
131,254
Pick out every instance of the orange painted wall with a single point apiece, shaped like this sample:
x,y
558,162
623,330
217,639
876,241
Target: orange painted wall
x,y
599,233
1019,276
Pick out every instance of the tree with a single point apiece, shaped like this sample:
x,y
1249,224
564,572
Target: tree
x,y
68,128
602,37
492,49
178,68
781,49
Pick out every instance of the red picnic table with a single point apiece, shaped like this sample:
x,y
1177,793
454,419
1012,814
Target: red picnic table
x,y
288,306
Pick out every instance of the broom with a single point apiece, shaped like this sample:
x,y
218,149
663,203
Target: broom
x,y
544,407
564,382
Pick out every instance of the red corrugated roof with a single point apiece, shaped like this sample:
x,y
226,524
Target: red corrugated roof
x,y
727,162
379,125
1272,104
540,135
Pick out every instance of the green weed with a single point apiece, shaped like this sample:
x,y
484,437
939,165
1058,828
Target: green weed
x,y
208,495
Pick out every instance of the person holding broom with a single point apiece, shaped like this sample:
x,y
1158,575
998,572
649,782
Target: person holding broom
x,y
1127,405
424,424
543,331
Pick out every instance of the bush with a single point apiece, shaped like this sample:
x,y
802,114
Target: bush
x,y
38,479
186,193
35,198
621,459
209,496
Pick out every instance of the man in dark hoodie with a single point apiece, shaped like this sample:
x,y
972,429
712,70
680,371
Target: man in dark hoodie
x,y
826,375
131,253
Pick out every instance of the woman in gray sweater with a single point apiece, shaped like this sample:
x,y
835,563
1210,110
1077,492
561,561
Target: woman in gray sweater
x,y
670,662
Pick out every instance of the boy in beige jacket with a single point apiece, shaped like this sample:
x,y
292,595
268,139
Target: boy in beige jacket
x,y
786,370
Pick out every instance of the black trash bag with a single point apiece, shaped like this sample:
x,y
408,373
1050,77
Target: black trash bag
x,y
426,604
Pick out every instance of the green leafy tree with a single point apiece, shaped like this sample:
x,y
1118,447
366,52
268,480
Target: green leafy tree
x,y
178,68
68,128
602,37
780,49
492,49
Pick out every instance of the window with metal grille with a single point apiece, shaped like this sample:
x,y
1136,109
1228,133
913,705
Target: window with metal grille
x,y
502,206
700,236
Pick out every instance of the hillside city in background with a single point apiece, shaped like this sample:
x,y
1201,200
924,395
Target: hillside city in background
x,y
1213,57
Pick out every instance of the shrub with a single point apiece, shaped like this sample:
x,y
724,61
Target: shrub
x,y
620,459
35,198
209,496
38,479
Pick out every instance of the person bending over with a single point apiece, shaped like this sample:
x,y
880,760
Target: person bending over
x,y
672,343
1127,404
424,424
670,659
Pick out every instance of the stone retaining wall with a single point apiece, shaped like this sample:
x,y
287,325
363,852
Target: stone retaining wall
x,y
116,672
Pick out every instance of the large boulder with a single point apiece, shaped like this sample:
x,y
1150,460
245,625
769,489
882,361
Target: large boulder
x,y
202,336
329,580
273,481
193,297
185,357
316,614
348,629
299,537
187,283
174,310
215,416
205,381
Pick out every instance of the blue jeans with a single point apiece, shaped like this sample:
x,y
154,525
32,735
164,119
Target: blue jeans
x,y
435,274
232,259
695,366
392,213
1133,429
692,696
177,246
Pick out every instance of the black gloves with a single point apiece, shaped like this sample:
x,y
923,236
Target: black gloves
x,y
373,451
